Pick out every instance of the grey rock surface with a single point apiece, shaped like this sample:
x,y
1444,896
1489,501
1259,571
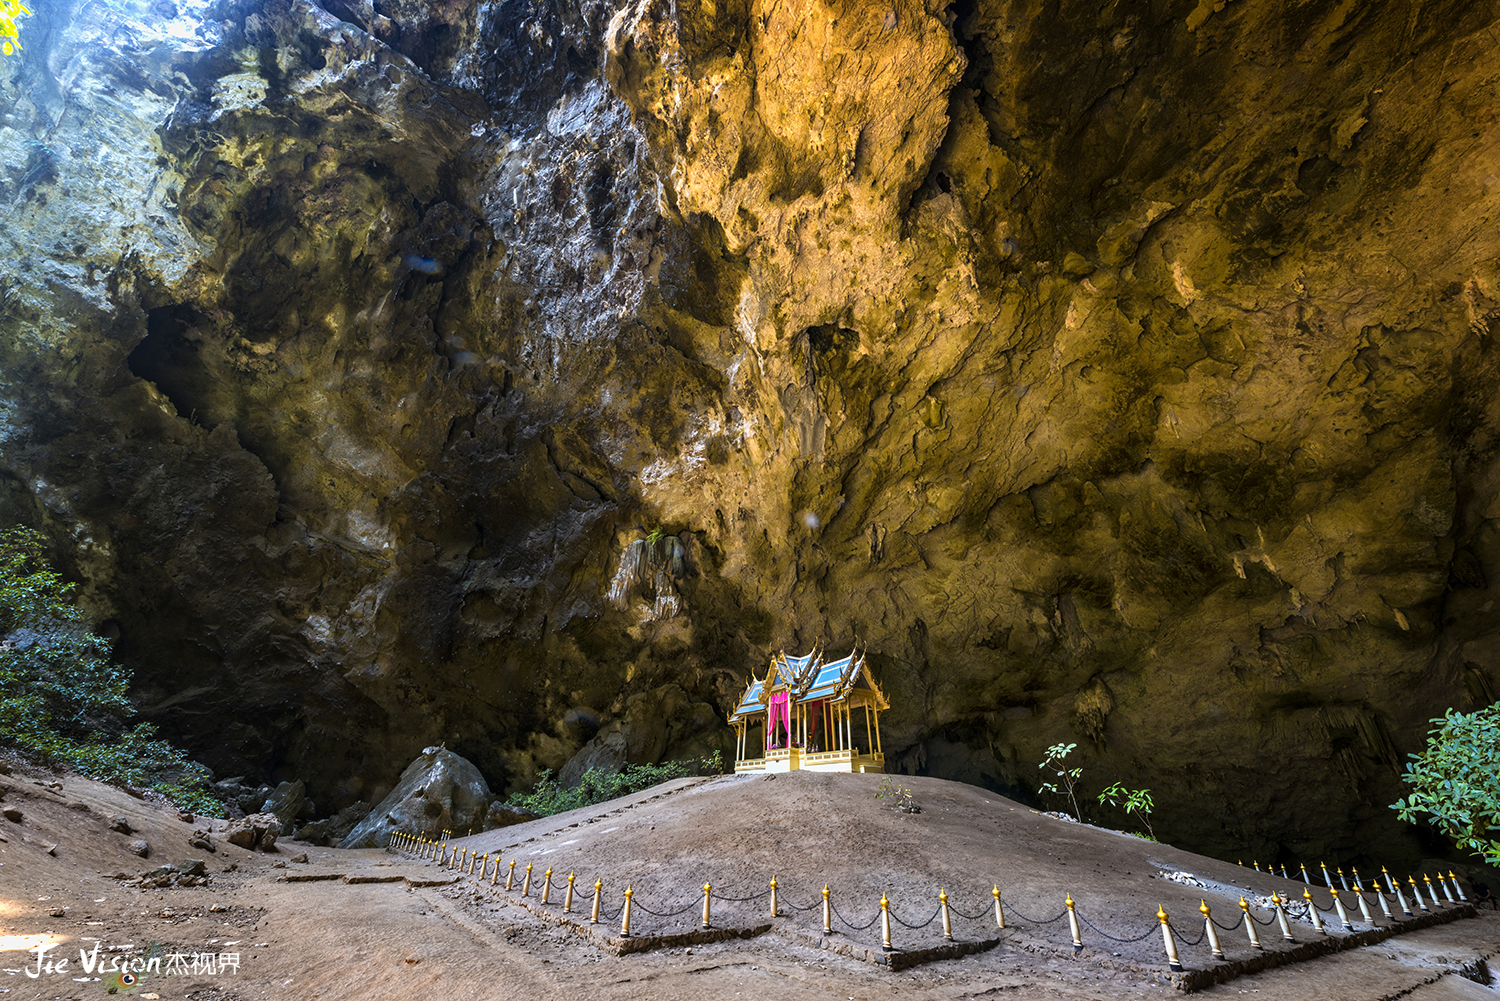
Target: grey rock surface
x,y
438,791
286,802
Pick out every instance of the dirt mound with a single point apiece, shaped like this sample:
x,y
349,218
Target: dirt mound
x,y
270,925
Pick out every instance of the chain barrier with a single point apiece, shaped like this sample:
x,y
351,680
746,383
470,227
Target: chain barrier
x,y
1034,921
812,906
636,903
1146,934
924,924
986,912
853,927
740,900
1183,938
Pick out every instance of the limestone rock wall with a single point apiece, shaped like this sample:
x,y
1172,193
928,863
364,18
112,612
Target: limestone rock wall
x,y
1120,375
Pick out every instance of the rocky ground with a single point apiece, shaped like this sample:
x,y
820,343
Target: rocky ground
x,y
1117,374
344,923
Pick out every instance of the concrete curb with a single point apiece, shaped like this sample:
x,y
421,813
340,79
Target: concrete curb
x,y
898,959
1196,980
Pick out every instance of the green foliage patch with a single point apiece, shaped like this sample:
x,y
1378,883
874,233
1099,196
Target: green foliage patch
x,y
1136,801
62,697
1456,781
596,785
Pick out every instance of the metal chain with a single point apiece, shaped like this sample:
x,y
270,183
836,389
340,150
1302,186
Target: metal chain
x,y
741,900
669,914
1107,935
604,912
924,924
845,920
1183,938
984,912
1034,921
1223,927
794,907
1268,922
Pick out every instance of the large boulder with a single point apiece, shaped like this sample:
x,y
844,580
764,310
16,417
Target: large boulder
x,y
257,832
606,751
664,724
438,791
286,801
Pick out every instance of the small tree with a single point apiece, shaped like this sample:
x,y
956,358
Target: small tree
x,y
1136,801
62,697
1068,776
1456,781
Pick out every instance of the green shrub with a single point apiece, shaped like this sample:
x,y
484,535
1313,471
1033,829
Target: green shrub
x,y
1136,801
1456,781
596,785
63,699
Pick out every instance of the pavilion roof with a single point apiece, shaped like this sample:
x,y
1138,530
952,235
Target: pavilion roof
x,y
809,677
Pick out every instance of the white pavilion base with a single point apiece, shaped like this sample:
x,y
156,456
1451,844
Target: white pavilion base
x,y
788,759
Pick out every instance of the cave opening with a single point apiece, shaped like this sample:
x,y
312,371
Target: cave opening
x,y
168,357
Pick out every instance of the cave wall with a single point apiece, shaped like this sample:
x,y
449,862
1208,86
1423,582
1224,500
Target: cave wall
x,y
1119,375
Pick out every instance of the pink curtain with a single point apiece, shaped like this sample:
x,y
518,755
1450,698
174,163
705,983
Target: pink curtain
x,y
780,714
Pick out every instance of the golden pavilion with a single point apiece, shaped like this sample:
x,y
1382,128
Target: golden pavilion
x,y
808,713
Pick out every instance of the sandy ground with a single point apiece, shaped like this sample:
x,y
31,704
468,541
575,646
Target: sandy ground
x,y
467,939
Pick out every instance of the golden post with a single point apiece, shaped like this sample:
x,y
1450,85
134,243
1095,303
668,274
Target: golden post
x,y
1312,911
1385,908
827,915
510,875
526,886
999,911
598,889
707,893
1400,897
1416,891
774,910
1173,963
1430,891
1210,929
1286,929
1338,905
1458,889
1364,908
885,923
568,900
943,906
1249,924
1073,926
625,914
547,885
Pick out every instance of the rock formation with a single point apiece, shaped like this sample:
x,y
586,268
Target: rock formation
x,y
1119,375
438,792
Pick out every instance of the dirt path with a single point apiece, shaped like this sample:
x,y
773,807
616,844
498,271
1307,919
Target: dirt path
x,y
329,938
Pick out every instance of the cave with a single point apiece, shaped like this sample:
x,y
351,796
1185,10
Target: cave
x,y
1119,376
